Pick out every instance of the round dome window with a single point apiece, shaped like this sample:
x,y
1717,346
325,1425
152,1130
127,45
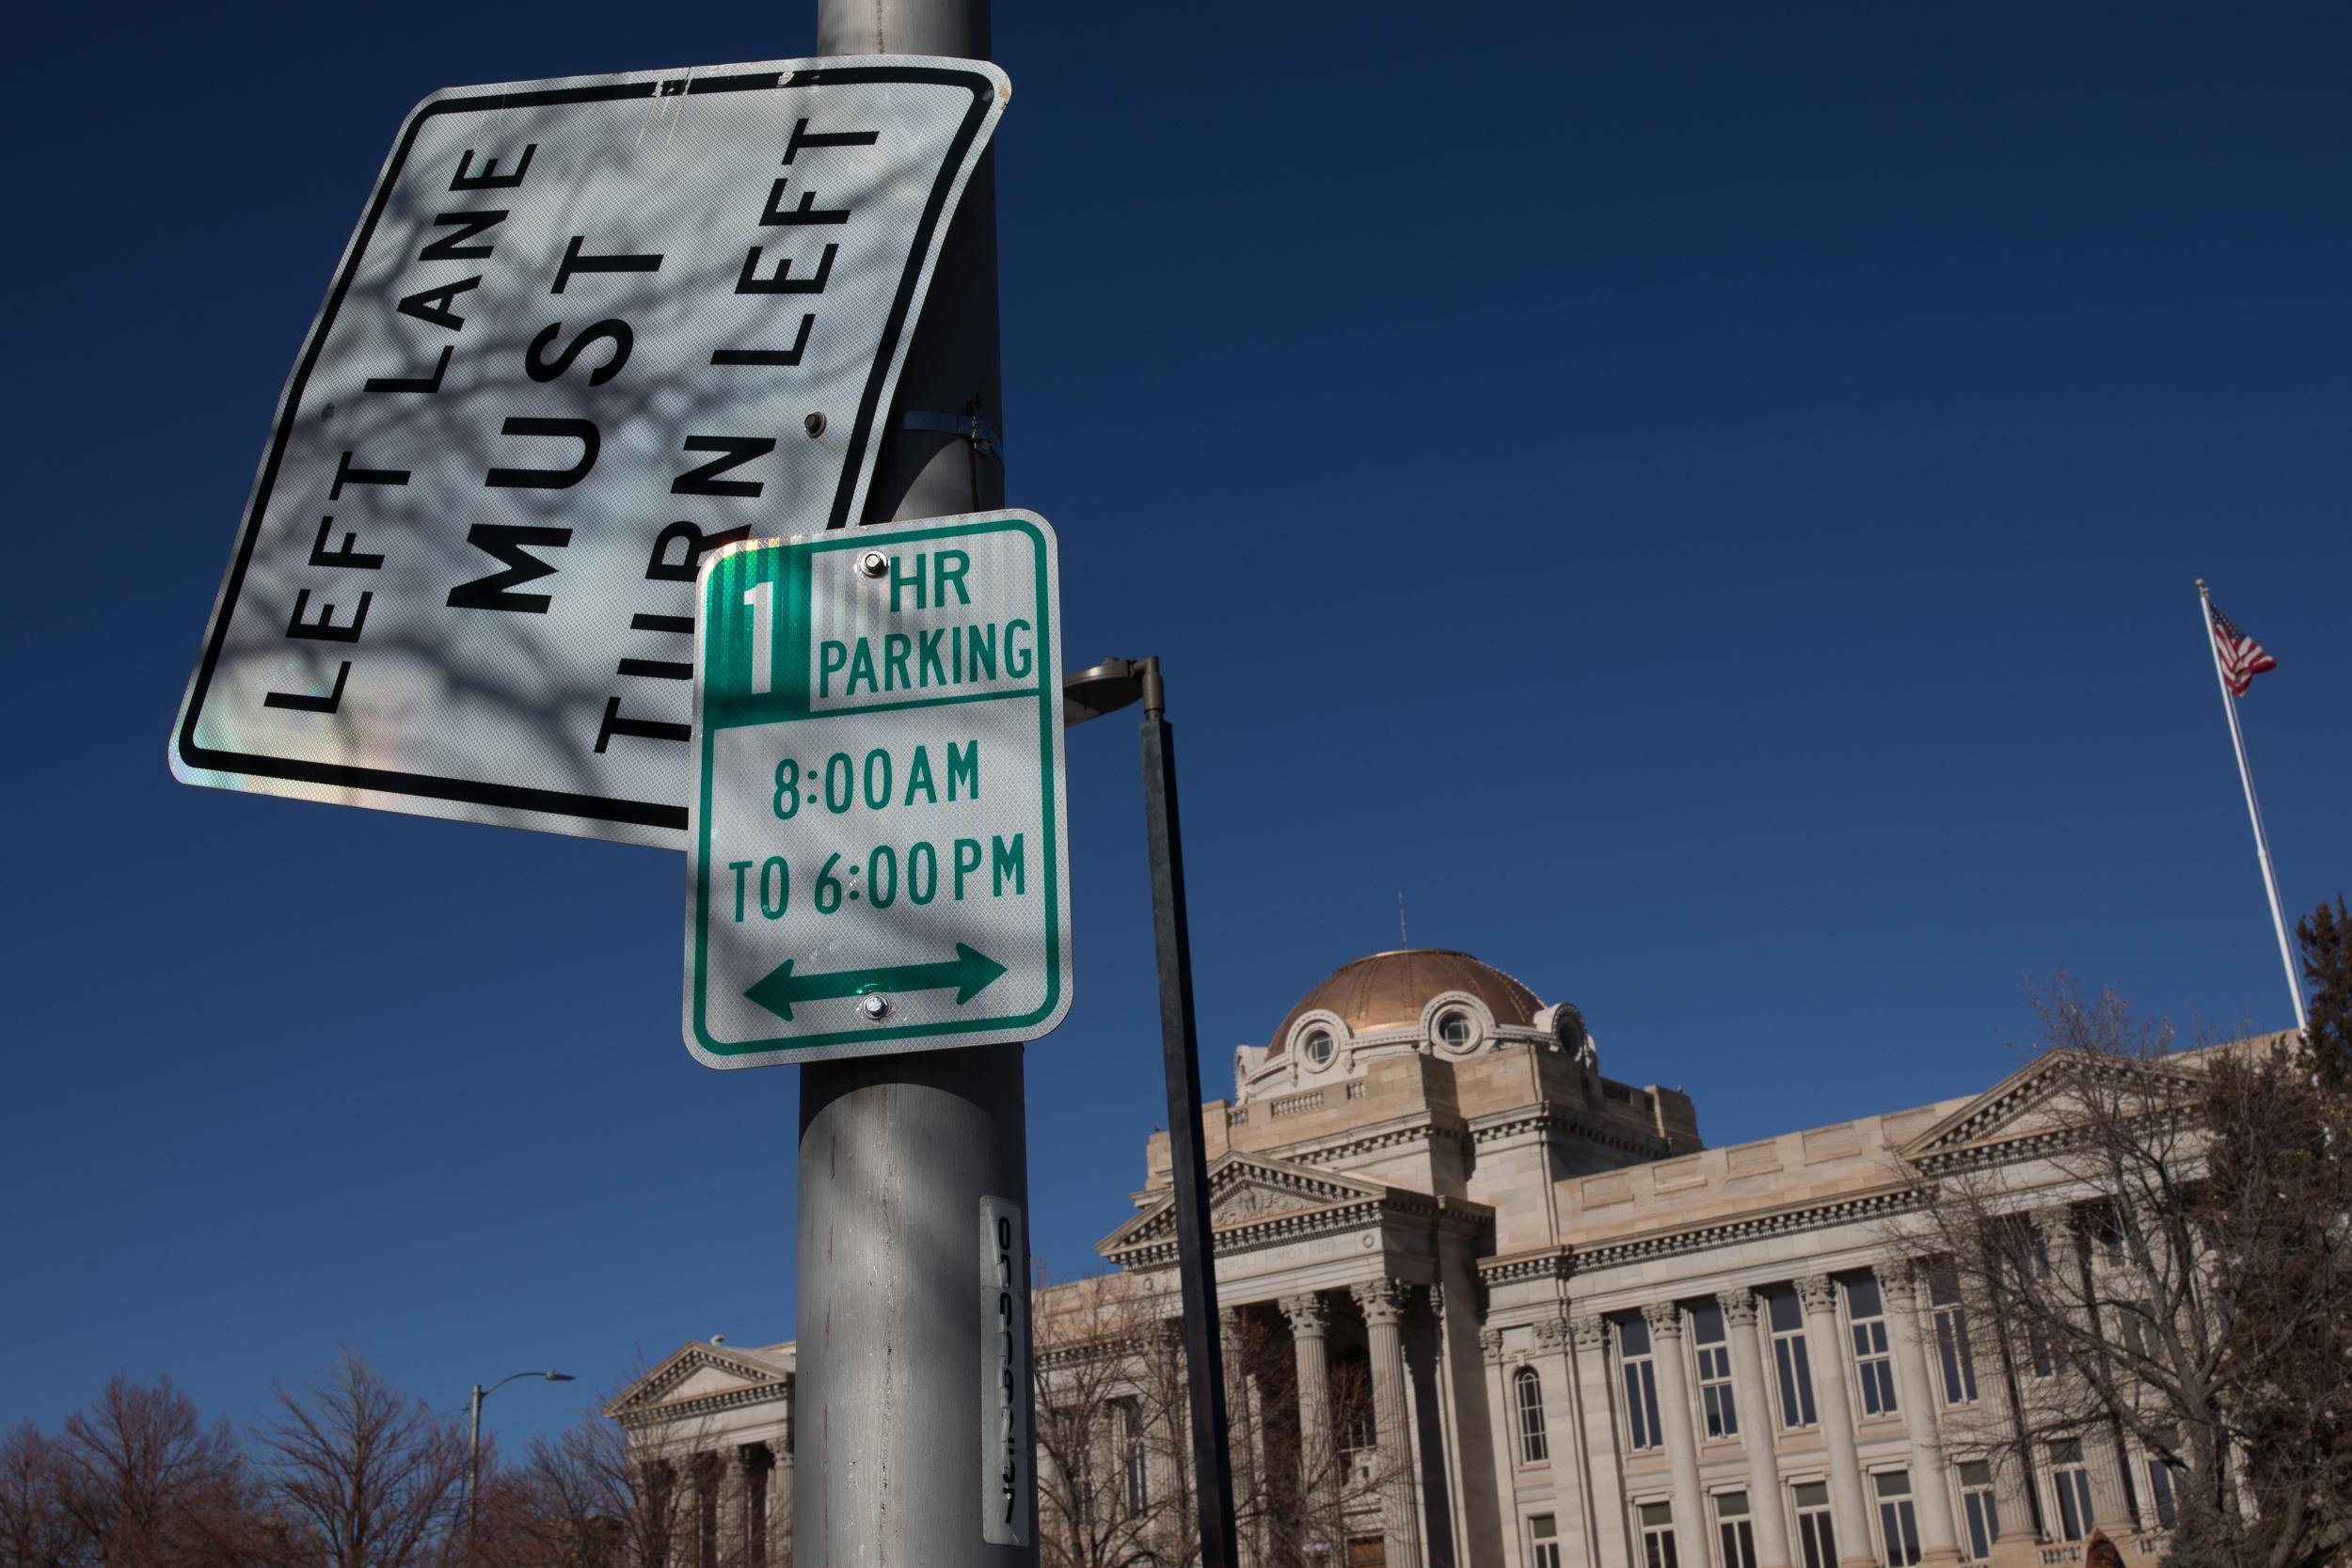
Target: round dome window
x,y
1319,1047
1454,1030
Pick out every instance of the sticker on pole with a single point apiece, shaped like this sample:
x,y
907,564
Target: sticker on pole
x,y
880,856
587,332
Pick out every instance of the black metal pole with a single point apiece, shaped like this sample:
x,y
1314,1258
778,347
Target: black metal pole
x,y
1204,1357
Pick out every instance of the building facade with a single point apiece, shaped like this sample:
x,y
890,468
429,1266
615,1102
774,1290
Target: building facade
x,y
1487,1304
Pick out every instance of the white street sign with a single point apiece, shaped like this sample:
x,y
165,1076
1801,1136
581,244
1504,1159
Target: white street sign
x,y
587,332
881,851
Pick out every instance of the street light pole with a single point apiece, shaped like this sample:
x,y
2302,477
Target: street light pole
x,y
473,1450
1188,1165
1089,694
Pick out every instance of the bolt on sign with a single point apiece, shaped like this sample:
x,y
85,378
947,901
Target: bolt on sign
x,y
588,332
881,852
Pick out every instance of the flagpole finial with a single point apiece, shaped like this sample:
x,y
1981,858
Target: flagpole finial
x,y
2200,585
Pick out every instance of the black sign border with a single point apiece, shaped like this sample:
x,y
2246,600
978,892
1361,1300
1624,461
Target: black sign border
x,y
516,797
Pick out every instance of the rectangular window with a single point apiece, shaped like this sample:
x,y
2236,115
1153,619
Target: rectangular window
x,y
1874,1366
1813,1532
1898,1526
1734,1530
1790,1359
1528,1393
1138,1473
1543,1533
1953,1353
1977,1502
1658,1535
2037,1352
2107,1229
1641,1386
2074,1489
2164,1492
1716,1405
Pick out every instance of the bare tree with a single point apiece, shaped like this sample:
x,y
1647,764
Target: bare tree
x,y
142,1482
1110,1487
2121,1264
1113,1423
35,1529
362,1476
580,1499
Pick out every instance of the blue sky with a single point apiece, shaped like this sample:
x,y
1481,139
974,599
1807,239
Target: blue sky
x,y
1704,502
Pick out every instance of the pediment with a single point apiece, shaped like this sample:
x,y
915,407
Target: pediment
x,y
1242,1190
701,1377
2030,1105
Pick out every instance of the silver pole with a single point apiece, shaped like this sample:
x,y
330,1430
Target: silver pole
x,y
899,1154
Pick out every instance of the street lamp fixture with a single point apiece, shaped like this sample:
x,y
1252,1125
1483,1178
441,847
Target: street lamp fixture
x,y
473,1454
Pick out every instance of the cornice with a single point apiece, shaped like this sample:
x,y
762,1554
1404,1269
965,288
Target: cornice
x,y
1876,1204
1549,1118
705,1405
1254,1235
1562,1261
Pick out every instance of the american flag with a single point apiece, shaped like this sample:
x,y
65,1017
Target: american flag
x,y
2242,657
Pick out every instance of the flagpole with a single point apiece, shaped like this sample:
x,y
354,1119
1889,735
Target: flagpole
x,y
2253,810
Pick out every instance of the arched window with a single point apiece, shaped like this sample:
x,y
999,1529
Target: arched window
x,y
1527,1390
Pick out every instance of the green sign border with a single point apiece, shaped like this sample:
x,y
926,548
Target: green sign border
x,y
725,637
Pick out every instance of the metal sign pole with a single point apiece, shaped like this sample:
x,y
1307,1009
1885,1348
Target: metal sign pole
x,y
1212,1464
903,1158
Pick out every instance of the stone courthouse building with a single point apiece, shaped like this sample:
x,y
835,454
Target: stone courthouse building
x,y
1591,1341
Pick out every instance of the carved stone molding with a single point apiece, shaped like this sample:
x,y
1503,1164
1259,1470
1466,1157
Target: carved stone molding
x,y
1589,1331
1818,1292
1310,1315
1249,1200
1665,1320
1551,1332
1739,1306
1383,1302
1490,1342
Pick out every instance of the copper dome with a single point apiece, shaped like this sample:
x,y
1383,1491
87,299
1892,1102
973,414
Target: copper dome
x,y
1388,991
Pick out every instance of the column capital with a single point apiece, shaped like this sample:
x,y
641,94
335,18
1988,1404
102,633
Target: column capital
x,y
1551,1332
1589,1331
1490,1343
1819,1291
1665,1319
1383,1302
1310,1315
1900,1278
1739,1306
1436,1302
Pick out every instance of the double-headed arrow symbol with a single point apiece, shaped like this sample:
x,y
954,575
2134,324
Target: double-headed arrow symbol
x,y
969,972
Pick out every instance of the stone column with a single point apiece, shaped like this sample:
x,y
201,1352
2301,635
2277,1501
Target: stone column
x,y
1382,1303
1850,1513
1754,1401
1499,1404
1900,1282
1598,1425
2110,1508
1567,1486
2004,1447
749,1499
779,1503
1243,1441
1309,1317
1682,1442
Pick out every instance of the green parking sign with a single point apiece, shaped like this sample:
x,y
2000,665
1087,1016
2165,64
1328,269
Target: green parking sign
x,y
881,850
